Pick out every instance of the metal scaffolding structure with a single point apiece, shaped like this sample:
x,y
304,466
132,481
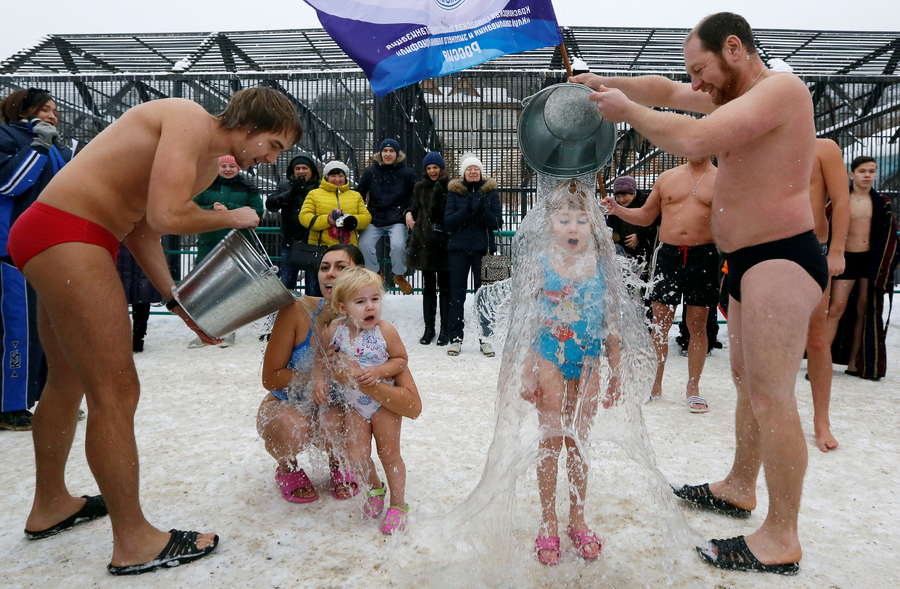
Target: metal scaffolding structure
x,y
852,76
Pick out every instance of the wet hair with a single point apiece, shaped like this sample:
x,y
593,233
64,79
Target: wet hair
x,y
567,195
353,252
863,159
261,110
715,28
351,281
23,103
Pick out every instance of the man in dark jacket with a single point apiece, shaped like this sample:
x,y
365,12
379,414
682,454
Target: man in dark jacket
x,y
387,187
302,176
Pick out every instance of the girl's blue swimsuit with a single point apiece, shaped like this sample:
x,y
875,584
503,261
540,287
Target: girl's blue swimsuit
x,y
571,318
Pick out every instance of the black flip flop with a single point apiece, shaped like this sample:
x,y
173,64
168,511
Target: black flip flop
x,y
93,508
181,549
734,555
701,496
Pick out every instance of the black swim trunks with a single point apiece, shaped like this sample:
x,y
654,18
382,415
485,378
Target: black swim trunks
x,y
688,271
856,265
803,249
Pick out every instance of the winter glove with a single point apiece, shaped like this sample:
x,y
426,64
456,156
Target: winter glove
x,y
44,134
479,208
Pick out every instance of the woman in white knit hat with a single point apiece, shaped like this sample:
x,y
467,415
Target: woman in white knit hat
x,y
471,216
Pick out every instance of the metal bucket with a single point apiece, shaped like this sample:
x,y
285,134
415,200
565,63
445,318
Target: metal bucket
x,y
561,133
232,286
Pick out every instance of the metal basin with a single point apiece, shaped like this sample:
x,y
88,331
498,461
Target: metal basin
x,y
232,286
561,133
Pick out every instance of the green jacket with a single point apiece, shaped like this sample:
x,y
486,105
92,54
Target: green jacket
x,y
234,193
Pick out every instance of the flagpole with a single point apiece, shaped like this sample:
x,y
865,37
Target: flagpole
x,y
565,58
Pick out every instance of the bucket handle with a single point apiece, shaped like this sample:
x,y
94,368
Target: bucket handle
x,y
257,245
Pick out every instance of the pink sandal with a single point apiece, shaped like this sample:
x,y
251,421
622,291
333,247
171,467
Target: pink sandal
x,y
547,543
375,501
393,521
584,539
290,482
339,479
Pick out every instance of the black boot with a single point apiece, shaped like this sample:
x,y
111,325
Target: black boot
x,y
429,335
443,338
140,313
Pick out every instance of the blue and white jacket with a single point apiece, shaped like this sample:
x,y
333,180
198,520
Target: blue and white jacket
x,y
24,172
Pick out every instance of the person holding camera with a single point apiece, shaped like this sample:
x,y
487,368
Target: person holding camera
x,y
31,153
332,212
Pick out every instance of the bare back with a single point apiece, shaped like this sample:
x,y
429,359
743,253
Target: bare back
x,y
109,182
686,214
818,198
762,189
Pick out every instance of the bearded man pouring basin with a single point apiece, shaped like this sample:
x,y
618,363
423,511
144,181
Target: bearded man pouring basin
x,y
761,129
132,183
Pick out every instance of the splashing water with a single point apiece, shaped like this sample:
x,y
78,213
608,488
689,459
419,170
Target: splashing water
x,y
488,540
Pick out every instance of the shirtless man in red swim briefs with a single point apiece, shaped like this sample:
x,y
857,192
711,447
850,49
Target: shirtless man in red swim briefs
x,y
133,183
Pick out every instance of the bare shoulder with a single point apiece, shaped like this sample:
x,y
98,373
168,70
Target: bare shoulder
x,y
780,87
827,149
388,330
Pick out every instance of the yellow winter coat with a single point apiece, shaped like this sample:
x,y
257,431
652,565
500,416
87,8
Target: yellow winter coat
x,y
320,202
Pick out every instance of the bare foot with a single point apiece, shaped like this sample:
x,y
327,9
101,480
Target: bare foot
x,y
42,519
549,530
773,550
153,545
589,550
698,406
307,492
735,496
824,440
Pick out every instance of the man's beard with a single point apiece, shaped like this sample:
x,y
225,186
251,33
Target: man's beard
x,y
728,91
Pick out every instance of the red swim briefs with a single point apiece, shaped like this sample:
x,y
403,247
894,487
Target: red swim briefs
x,y
41,227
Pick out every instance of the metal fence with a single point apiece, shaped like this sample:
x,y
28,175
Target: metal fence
x,y
475,111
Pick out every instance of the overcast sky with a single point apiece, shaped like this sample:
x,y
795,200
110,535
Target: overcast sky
x,y
27,28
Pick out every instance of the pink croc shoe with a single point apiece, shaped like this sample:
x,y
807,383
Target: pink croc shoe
x,y
343,479
547,543
375,501
290,482
584,539
394,519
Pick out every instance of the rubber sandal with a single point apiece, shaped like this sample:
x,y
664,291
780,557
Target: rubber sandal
x,y
290,482
375,501
582,540
700,400
394,519
734,555
339,479
546,543
701,496
93,508
181,549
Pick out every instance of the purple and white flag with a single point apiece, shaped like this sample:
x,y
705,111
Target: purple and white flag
x,y
399,42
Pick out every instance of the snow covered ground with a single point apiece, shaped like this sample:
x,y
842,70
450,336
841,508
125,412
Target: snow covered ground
x,y
204,467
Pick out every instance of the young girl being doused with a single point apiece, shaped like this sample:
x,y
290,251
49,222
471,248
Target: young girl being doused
x,y
563,377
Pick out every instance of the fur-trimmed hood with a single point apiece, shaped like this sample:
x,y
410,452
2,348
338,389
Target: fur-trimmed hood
x,y
457,185
401,157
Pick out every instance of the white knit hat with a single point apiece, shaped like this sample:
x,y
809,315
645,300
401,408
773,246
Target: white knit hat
x,y
470,159
336,165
